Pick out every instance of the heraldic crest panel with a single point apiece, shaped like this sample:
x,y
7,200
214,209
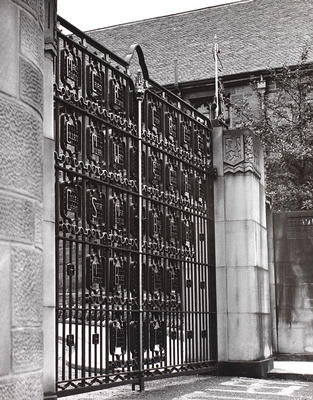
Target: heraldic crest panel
x,y
135,280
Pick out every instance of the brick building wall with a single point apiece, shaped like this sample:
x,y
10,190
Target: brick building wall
x,y
21,121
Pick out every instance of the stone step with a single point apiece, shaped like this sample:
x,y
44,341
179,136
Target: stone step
x,y
292,370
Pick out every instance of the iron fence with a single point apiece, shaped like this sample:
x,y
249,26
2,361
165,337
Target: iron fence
x,y
135,269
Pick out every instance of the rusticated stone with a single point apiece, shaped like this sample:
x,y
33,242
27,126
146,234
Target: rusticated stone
x,y
29,388
5,320
38,225
20,149
25,387
27,350
9,48
35,7
17,218
31,85
26,287
7,389
41,11
31,39
49,181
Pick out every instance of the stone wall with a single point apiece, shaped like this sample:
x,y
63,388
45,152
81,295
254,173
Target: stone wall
x,y
21,121
293,250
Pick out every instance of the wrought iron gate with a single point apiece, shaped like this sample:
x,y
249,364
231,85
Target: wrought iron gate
x,y
135,280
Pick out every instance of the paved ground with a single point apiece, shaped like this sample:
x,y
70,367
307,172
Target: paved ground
x,y
208,387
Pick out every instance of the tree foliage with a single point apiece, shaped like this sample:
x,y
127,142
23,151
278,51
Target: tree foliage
x,y
283,119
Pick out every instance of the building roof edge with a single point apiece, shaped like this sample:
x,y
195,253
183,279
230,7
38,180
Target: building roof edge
x,y
234,2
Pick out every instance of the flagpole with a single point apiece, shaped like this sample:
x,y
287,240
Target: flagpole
x,y
216,75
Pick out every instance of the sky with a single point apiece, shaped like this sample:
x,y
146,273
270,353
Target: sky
x,y
94,14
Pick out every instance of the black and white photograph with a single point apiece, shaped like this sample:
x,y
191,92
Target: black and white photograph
x,y
156,200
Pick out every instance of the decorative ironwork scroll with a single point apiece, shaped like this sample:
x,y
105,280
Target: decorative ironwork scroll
x,y
134,215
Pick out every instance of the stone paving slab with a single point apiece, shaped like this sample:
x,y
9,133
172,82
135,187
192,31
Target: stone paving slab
x,y
208,387
296,367
295,370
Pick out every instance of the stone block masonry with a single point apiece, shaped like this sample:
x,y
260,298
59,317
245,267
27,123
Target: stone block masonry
x,y
21,194
293,248
242,276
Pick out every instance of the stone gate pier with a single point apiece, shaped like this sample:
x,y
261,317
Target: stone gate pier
x,y
242,276
21,199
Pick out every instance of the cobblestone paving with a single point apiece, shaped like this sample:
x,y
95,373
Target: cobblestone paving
x,y
208,387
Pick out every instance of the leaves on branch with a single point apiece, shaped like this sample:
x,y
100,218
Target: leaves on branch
x,y
283,119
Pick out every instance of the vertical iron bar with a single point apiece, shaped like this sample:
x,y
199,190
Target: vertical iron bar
x,y
76,306
102,294
57,254
211,272
83,219
202,279
140,97
70,305
64,310
96,342
89,317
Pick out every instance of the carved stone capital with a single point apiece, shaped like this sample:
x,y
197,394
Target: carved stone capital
x,y
241,151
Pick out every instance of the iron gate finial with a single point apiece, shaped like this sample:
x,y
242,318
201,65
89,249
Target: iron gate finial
x,y
139,85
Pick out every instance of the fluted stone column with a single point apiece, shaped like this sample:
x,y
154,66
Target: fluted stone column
x,y
243,302
21,155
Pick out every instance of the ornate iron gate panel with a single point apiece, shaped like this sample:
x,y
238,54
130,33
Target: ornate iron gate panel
x,y
178,264
135,280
